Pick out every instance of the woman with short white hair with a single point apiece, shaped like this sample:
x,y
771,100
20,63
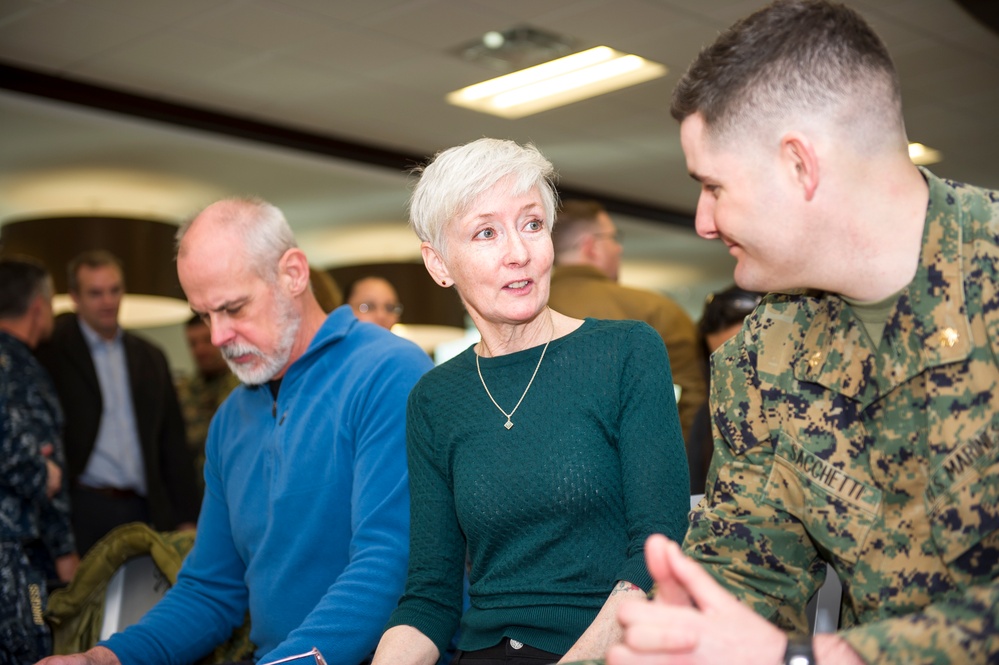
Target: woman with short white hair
x,y
546,453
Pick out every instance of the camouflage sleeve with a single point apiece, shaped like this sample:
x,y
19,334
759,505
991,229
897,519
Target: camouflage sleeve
x,y
751,546
963,628
22,468
56,530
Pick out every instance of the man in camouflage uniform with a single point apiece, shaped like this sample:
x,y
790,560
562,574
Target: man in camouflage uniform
x,y
36,540
856,419
201,394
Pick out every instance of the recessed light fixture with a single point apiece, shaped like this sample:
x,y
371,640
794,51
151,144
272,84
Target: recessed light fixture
x,y
923,155
569,79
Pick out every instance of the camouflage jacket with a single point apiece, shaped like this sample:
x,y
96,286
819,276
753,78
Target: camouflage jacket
x,y
883,461
30,417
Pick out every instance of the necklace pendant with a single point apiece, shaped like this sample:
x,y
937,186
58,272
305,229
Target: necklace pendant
x,y
508,424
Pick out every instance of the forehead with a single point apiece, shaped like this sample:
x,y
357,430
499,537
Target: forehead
x,y
214,275
501,198
372,288
98,276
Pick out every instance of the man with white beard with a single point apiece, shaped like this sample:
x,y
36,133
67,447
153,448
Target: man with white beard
x,y
305,521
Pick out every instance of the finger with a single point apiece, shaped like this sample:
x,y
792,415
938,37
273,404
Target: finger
x,y
620,654
649,627
688,575
668,591
47,449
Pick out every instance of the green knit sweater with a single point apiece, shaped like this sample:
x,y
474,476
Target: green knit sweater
x,y
553,511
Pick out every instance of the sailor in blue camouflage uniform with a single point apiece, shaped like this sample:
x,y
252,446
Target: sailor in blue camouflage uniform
x,y
856,415
36,541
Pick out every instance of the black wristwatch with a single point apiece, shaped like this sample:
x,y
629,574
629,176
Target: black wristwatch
x,y
799,651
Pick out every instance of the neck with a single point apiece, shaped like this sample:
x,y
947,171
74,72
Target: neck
x,y
880,236
20,329
504,339
312,320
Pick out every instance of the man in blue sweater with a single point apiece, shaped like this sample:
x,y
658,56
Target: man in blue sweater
x,y
305,521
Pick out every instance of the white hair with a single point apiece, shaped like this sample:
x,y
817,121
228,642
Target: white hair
x,y
456,177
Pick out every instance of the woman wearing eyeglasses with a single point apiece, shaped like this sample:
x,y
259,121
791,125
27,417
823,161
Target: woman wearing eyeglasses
x,y
374,300
548,452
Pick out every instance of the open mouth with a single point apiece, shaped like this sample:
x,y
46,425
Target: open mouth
x,y
518,285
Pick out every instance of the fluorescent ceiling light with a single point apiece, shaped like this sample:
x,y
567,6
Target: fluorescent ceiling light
x,y
556,83
923,155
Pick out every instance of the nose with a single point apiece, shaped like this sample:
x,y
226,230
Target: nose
x,y
704,217
222,333
516,249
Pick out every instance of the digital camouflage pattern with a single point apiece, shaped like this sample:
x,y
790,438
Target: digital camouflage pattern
x,y
199,399
30,417
882,460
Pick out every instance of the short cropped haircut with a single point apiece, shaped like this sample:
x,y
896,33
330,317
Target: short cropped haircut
x,y
456,177
789,58
22,279
574,218
92,258
260,226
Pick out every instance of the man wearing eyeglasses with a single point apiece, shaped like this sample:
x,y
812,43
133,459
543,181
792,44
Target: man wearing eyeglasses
x,y
374,299
585,283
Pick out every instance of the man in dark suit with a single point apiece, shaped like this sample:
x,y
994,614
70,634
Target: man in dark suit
x,y
124,435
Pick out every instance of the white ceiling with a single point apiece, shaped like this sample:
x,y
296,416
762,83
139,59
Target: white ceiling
x,y
375,72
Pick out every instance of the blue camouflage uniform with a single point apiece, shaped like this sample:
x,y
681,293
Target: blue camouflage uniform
x,y
35,530
881,459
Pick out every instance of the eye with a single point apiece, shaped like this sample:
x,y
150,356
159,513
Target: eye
x,y
535,225
233,310
486,234
712,189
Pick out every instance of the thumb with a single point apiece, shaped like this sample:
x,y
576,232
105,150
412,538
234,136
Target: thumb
x,y
47,450
702,589
668,590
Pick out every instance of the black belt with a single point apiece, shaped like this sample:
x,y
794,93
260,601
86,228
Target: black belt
x,y
110,492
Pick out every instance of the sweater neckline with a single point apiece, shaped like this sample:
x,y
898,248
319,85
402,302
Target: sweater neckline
x,y
527,355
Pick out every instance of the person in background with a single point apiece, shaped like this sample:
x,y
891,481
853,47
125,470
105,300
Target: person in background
x,y
36,540
724,312
547,452
126,449
305,519
374,300
202,393
585,283
857,413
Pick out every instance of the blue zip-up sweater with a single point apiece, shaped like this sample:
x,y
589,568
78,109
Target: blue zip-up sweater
x,y
305,520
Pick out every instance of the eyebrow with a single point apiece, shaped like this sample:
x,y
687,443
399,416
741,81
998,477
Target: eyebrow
x,y
224,306
526,207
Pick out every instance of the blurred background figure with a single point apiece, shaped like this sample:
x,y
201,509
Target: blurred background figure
x,y
585,283
126,450
325,289
36,540
374,300
724,312
202,393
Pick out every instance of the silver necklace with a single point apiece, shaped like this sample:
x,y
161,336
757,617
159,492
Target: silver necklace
x,y
509,423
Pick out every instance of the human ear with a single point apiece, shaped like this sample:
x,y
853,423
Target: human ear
x,y
435,264
798,156
294,271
